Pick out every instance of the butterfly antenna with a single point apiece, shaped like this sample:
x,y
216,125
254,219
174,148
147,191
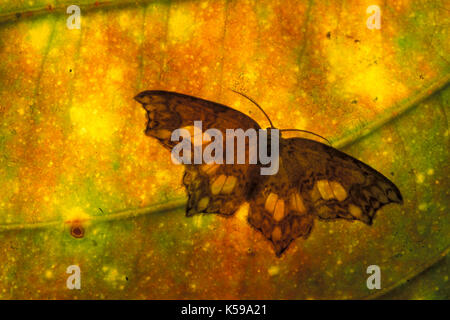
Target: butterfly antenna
x,y
254,102
300,130
271,125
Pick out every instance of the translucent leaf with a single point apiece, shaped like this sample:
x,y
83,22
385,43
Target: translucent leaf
x,y
74,159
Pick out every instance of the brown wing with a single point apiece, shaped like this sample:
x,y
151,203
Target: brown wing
x,y
278,210
167,111
212,188
316,180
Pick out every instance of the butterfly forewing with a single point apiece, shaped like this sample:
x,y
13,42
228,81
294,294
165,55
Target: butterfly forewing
x,y
315,180
338,185
167,111
212,188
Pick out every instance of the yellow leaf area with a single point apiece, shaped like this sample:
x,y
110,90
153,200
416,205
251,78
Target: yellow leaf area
x,y
73,149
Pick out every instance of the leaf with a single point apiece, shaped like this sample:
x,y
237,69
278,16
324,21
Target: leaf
x,y
431,283
73,152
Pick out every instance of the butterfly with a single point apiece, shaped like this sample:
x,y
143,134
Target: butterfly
x,y
314,180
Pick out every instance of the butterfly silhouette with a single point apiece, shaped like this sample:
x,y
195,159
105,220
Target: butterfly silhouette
x,y
314,180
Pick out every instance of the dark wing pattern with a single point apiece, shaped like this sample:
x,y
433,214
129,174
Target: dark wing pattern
x,y
167,111
212,188
278,210
316,180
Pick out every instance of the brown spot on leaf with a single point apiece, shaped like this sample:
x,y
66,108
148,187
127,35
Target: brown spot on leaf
x,y
77,230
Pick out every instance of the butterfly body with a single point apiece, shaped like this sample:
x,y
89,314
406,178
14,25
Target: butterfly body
x,y
313,180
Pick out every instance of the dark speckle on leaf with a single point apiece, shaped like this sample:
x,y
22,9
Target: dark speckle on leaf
x,y
77,231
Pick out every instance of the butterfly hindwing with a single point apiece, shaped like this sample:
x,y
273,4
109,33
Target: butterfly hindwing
x,y
278,210
214,188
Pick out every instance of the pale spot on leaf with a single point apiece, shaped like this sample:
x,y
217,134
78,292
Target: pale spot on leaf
x,y
420,178
423,207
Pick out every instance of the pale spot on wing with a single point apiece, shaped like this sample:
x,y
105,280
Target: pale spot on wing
x,y
229,185
325,189
355,211
203,204
278,214
276,234
338,190
218,184
271,201
315,194
209,169
296,203
198,136
243,212
162,134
